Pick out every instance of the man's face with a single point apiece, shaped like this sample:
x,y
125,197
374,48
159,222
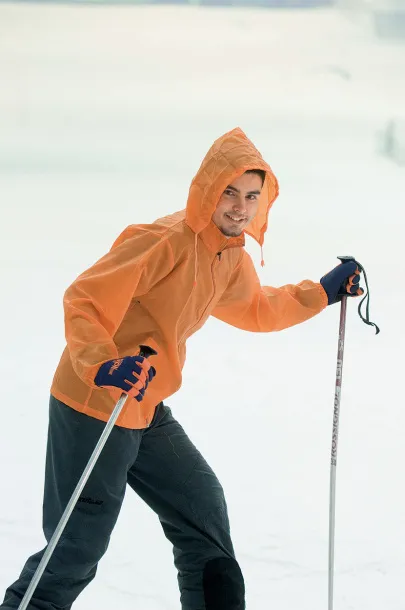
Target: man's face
x,y
238,205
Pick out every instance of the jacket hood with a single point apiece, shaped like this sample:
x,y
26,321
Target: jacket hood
x,y
228,158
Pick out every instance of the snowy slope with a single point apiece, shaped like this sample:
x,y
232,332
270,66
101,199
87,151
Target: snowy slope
x,y
105,115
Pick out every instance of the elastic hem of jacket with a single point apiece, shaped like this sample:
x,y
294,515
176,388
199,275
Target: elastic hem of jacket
x,y
86,410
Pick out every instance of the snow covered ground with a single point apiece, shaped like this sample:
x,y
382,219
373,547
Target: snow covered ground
x,y
105,115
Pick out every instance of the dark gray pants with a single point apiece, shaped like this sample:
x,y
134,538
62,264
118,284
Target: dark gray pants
x,y
165,469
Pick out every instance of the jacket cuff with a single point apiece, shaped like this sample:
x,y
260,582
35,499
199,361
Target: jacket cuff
x,y
324,296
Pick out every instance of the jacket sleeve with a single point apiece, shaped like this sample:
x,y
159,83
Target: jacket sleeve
x,y
97,301
249,306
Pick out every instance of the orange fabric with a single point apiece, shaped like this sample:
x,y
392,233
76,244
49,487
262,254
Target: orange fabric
x,y
160,282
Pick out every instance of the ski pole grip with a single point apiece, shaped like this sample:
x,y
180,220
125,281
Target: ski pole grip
x,y
146,351
350,259
366,297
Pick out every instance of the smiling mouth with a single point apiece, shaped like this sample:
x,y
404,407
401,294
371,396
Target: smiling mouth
x,y
235,218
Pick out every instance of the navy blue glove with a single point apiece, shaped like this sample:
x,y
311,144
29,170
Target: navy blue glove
x,y
343,280
131,374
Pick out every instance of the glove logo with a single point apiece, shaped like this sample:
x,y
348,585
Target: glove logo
x,y
115,365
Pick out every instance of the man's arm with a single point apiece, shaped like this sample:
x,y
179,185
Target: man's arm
x,y
249,306
97,301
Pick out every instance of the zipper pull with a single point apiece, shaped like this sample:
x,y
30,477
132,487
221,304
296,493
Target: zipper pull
x,y
219,254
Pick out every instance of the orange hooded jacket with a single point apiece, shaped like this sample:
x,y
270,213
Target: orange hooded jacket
x,y
159,284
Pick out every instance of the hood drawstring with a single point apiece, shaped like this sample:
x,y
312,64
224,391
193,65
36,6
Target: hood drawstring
x,y
196,258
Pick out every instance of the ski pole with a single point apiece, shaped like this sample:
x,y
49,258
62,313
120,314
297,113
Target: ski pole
x,y
335,436
145,351
336,415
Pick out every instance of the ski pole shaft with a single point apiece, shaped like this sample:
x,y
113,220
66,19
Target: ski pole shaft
x,y
335,436
71,504
145,352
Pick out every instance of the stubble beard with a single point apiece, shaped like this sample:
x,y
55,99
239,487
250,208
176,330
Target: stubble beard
x,y
231,232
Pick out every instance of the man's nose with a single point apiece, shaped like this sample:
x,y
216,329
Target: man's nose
x,y
239,205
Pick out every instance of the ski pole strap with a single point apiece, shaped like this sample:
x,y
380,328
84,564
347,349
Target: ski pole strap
x,y
366,297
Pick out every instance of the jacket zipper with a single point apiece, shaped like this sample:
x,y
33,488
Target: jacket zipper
x,y
213,265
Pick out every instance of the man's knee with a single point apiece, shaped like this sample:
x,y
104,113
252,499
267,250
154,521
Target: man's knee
x,y
224,587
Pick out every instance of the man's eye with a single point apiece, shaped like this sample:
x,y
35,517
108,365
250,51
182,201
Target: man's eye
x,y
228,192
252,197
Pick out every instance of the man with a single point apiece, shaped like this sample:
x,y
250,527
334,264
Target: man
x,y
156,287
